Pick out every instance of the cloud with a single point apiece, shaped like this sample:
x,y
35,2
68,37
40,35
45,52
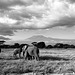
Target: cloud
x,y
6,30
4,38
46,15
18,13
68,22
71,1
6,20
35,14
5,4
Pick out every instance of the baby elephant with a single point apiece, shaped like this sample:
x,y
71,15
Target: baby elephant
x,y
17,51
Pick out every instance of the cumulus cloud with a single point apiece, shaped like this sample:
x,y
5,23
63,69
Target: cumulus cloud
x,y
71,1
50,13
36,14
4,4
6,30
4,38
6,20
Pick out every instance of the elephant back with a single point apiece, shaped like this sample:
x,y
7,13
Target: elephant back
x,y
32,50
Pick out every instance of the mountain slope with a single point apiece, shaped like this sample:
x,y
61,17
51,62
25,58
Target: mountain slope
x,y
47,40
39,38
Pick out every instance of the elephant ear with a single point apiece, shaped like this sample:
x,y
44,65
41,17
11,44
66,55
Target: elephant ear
x,y
34,43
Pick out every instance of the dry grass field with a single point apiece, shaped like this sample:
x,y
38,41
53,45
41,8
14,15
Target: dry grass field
x,y
52,61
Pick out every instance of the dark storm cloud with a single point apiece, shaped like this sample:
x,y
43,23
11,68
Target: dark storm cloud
x,y
19,16
4,4
65,21
4,38
71,1
35,15
6,30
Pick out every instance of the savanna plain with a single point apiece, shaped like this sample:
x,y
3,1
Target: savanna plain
x,y
52,62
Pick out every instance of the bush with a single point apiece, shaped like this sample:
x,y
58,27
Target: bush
x,y
49,46
41,45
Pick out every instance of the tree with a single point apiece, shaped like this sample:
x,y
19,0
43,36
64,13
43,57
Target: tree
x,y
2,42
72,46
66,46
16,45
49,46
58,45
41,45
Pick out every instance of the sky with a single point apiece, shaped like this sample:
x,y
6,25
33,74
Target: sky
x,y
21,19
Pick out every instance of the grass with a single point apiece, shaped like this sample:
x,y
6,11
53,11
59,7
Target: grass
x,y
51,61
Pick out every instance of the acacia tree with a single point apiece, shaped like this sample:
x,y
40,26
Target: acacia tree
x,y
16,45
49,46
41,45
58,45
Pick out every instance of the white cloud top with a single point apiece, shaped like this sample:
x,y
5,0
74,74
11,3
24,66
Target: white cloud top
x,y
6,20
36,14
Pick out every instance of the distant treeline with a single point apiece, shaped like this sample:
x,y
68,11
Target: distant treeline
x,y
41,45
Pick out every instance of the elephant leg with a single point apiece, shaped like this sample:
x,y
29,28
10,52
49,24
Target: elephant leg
x,y
23,53
37,57
19,54
15,54
29,57
32,57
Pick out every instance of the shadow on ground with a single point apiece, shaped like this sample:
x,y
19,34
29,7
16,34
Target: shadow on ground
x,y
53,58
10,58
41,58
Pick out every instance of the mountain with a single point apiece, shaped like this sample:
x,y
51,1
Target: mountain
x,y
48,40
40,38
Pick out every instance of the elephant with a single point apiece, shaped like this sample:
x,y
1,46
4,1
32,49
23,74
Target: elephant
x,y
24,48
31,52
19,50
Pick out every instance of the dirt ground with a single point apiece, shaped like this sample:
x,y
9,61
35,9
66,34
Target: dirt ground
x,y
52,61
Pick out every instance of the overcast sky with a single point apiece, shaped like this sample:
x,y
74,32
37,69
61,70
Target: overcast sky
x,y
20,19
